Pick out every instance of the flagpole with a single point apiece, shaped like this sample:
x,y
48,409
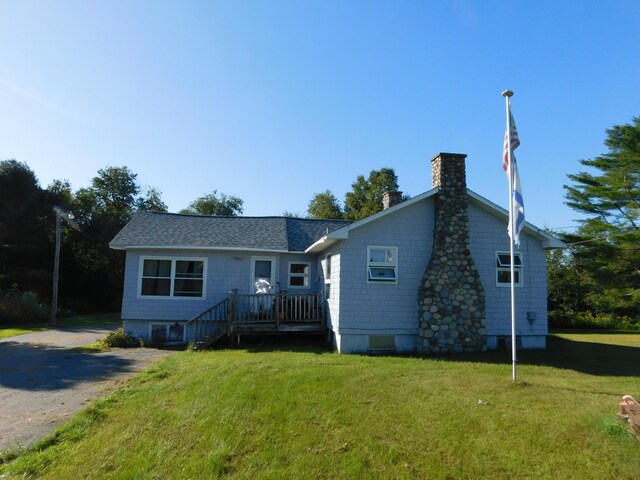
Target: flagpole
x,y
507,96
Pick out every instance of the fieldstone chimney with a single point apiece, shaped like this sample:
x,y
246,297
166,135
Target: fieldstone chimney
x,y
391,198
451,298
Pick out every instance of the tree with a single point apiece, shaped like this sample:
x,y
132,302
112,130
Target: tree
x,y
568,285
289,214
215,204
25,233
152,201
94,272
608,240
366,196
324,205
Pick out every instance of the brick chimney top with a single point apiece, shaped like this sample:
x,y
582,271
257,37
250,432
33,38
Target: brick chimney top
x,y
391,198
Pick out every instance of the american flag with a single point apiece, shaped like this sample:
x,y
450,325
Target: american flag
x,y
511,135
515,142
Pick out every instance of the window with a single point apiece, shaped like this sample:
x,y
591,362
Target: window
x,y
382,264
299,274
327,277
503,268
167,332
382,343
163,277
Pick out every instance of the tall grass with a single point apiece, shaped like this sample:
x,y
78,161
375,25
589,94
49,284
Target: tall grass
x,y
308,413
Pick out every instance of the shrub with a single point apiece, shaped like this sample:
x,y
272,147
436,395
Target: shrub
x,y
21,307
590,320
118,339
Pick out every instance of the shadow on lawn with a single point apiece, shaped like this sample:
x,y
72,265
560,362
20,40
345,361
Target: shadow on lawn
x,y
585,357
39,367
285,343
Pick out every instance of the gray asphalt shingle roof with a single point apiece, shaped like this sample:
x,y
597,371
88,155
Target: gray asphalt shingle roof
x,y
154,229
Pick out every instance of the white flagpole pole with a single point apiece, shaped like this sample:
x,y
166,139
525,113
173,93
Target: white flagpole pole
x,y
507,95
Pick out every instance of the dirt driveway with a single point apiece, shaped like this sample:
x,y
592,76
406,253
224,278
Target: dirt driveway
x,y
43,382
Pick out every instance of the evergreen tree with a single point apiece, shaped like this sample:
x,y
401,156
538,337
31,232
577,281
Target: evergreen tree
x,y
608,240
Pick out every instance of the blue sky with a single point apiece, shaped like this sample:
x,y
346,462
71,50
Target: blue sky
x,y
274,101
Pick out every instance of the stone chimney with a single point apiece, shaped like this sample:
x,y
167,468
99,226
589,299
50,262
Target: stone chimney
x,y
451,298
391,198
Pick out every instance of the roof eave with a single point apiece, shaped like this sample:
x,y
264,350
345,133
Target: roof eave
x,y
325,242
196,247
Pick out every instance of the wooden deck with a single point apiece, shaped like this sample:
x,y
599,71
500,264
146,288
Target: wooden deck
x,y
261,314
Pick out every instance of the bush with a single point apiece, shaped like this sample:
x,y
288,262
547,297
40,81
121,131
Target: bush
x,y
22,307
590,320
118,339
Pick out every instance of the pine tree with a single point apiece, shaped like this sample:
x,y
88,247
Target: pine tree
x,y
609,239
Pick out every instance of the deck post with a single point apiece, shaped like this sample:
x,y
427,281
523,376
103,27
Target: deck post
x,y
231,310
277,309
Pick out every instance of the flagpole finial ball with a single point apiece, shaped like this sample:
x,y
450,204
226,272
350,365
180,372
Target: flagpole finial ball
x,y
507,93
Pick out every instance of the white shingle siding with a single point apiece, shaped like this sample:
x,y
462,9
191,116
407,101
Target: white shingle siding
x,y
488,234
226,270
368,308
374,309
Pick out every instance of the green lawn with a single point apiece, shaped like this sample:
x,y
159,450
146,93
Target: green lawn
x,y
13,330
302,412
77,320
90,320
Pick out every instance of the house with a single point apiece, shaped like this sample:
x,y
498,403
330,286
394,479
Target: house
x,y
429,274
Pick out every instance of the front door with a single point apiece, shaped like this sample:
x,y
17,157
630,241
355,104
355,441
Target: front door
x,y
263,274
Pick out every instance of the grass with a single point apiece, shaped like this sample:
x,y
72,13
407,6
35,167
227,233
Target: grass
x,y
7,331
75,321
302,412
89,320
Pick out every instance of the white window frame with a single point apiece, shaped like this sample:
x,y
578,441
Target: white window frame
x,y
506,267
172,278
274,273
306,276
382,265
327,278
327,268
167,325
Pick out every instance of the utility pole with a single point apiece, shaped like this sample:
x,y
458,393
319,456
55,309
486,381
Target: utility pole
x,y
56,264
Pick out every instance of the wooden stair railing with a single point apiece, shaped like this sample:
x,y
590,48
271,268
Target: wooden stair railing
x,y
209,326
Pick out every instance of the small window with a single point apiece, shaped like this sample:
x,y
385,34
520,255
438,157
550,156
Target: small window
x,y
299,274
382,264
172,278
167,332
382,343
327,276
503,268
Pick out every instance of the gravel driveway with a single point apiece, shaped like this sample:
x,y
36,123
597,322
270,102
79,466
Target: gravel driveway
x,y
43,382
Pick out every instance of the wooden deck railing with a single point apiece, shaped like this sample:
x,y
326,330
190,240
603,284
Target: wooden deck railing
x,y
270,309
283,307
